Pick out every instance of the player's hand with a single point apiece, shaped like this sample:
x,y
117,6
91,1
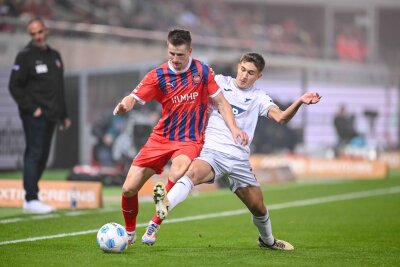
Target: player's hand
x,y
310,98
124,106
240,137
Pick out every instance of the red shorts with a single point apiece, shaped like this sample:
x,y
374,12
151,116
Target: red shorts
x,y
157,151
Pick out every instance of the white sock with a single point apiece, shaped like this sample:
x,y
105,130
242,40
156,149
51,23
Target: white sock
x,y
180,191
264,227
155,224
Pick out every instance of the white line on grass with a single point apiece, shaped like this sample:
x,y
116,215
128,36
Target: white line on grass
x,y
298,203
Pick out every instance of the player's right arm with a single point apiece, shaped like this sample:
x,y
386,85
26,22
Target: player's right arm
x,y
226,111
126,104
145,91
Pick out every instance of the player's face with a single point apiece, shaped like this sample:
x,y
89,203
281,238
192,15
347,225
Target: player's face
x,y
179,56
247,74
38,33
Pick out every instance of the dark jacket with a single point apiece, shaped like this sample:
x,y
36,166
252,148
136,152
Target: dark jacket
x,y
37,80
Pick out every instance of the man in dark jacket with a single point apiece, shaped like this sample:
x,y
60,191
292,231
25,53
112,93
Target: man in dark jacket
x,y
37,85
344,126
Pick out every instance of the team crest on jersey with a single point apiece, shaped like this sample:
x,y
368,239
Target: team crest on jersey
x,y
196,78
236,110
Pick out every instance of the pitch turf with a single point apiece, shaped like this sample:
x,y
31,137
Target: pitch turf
x,y
351,223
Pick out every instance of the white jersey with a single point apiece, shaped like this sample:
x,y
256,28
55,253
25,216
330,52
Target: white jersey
x,y
247,106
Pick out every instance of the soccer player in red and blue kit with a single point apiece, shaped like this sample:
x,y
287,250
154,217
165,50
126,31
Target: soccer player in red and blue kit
x,y
183,86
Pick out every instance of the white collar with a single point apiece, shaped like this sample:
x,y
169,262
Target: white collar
x,y
180,71
241,89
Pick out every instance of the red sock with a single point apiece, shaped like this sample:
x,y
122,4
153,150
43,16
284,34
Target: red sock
x,y
168,187
156,220
130,209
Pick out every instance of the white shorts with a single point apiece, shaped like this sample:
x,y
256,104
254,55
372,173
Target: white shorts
x,y
234,172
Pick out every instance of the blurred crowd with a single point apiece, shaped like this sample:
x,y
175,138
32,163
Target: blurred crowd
x,y
279,32
215,18
350,44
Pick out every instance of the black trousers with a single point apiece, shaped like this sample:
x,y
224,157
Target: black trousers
x,y
38,134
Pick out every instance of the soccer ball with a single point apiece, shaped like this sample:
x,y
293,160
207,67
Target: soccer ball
x,y
112,237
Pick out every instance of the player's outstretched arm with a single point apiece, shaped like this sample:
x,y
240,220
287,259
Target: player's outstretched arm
x,y
125,105
310,98
285,116
226,111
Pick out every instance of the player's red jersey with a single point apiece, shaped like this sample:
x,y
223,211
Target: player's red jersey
x,y
184,99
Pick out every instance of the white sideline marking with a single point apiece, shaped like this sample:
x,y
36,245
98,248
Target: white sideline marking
x,y
298,203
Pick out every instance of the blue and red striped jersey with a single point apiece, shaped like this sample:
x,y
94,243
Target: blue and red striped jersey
x,y
184,98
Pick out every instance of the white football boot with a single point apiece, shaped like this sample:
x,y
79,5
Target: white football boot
x,y
277,245
131,237
150,237
37,207
161,200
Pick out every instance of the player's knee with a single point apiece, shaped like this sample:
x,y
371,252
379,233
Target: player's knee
x,y
198,176
192,172
128,191
130,186
177,173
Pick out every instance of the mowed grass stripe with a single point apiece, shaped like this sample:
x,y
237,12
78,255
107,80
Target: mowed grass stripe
x,y
55,215
298,203
77,213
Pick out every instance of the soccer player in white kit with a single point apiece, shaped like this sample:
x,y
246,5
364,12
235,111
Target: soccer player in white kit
x,y
221,158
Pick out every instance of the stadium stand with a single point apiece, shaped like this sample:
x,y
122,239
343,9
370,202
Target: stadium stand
x,y
306,44
301,28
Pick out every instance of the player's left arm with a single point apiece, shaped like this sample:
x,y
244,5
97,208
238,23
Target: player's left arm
x,y
285,116
226,111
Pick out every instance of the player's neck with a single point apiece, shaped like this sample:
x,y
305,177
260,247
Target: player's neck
x,y
180,71
240,88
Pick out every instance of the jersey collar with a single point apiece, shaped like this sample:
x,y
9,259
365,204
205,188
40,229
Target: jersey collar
x,y
242,89
180,71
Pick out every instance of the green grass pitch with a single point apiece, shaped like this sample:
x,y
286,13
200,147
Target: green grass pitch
x,y
342,223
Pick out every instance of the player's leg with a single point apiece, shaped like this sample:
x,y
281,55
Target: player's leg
x,y
253,198
134,181
179,166
184,153
199,172
149,161
208,166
